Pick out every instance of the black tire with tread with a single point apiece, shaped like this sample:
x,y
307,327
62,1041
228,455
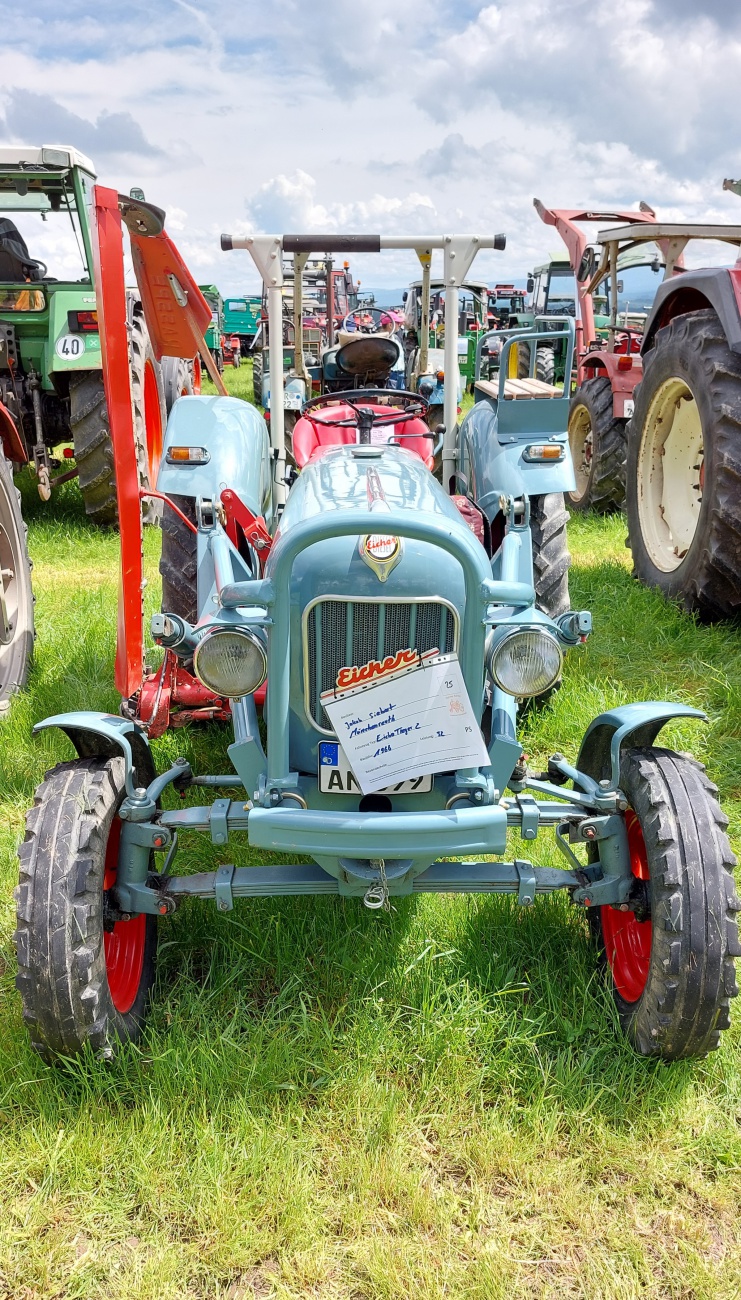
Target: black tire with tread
x,y
684,1006
178,561
91,431
694,347
59,905
551,558
257,378
605,489
177,380
16,656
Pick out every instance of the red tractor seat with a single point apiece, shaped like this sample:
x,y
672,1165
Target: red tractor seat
x,y
316,430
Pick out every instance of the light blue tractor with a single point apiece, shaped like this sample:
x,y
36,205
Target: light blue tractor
x,y
390,631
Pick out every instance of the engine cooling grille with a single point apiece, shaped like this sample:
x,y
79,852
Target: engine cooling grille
x,y
339,631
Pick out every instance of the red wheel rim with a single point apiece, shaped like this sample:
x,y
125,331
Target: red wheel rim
x,y
152,422
124,944
627,940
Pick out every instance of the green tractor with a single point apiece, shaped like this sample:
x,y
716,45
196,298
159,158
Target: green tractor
x,y
51,381
242,317
215,331
552,290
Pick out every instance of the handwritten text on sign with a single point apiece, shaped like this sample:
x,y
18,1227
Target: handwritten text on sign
x,y
418,721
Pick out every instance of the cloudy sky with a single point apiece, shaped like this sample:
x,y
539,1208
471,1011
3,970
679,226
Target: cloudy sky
x,y
390,116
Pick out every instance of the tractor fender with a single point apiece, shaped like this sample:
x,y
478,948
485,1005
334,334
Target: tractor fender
x,y
622,382
492,468
716,287
234,437
105,735
634,724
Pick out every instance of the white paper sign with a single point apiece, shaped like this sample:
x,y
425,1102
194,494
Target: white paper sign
x,y
414,721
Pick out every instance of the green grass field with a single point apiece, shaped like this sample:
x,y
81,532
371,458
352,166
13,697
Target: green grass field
x,y
331,1103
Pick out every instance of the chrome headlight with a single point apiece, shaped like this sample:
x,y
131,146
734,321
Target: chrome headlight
x,y
231,661
525,661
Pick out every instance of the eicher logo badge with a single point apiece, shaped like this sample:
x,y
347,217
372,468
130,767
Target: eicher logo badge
x,y
381,553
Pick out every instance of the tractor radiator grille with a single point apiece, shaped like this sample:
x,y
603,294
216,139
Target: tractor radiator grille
x,y
339,632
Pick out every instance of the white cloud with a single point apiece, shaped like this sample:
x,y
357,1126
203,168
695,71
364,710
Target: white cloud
x,y
376,115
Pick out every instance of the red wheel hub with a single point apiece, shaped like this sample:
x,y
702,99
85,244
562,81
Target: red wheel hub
x,y
124,944
627,940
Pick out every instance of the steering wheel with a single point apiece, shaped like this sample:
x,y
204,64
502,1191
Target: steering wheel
x,y
368,320
411,405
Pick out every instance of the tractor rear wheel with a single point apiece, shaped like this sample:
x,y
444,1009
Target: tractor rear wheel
x,y
671,958
551,558
598,448
684,467
16,596
83,975
179,561
91,431
545,363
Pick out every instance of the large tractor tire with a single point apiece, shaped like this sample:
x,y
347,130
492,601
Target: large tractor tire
x,y
670,957
684,468
179,561
84,976
551,558
16,603
91,432
598,448
545,363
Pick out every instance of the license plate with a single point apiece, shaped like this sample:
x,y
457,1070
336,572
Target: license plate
x,y
292,401
336,775
629,407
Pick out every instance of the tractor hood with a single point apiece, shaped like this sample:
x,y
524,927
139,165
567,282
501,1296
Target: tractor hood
x,y
354,599
382,479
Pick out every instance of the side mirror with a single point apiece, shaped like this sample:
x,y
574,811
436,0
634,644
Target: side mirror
x,y
530,285
405,295
620,286
656,265
587,265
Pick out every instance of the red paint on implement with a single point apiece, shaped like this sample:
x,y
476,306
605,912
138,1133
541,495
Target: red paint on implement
x,y
110,292
123,945
152,421
627,940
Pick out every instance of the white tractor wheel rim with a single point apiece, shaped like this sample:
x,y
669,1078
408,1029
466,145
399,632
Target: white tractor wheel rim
x,y
670,475
581,444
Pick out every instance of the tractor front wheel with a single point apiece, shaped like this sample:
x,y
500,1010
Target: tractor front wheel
x,y
16,597
684,467
84,975
598,448
670,958
551,558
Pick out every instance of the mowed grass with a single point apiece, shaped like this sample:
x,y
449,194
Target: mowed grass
x,y
333,1103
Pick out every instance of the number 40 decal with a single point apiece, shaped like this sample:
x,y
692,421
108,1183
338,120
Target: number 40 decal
x,y
70,346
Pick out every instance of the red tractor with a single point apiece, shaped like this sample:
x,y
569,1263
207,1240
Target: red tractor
x,y
683,486
608,352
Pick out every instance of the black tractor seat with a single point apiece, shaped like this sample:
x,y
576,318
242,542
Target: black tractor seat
x,y
15,262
